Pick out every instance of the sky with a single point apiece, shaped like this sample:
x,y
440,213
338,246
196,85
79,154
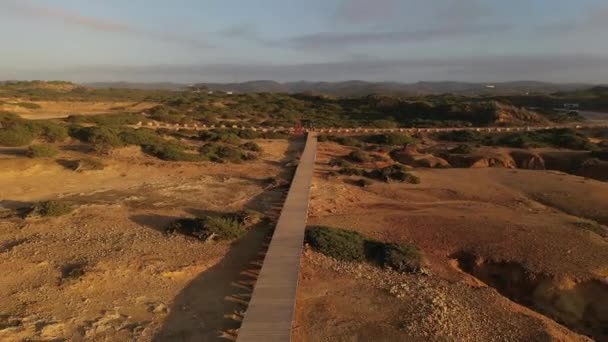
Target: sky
x,y
189,41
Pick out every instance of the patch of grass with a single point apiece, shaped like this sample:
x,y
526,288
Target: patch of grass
x,y
226,227
42,151
347,245
50,209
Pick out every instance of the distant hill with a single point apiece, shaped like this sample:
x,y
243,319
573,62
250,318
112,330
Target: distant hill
x,y
362,88
142,86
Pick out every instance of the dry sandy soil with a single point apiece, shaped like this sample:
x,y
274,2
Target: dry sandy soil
x,y
107,272
63,109
525,232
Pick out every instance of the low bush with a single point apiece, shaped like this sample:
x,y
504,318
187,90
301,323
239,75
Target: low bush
x,y
225,227
359,157
251,146
462,149
170,152
274,135
51,132
50,209
15,136
339,162
394,173
351,171
461,136
223,136
347,245
341,244
347,141
42,151
364,183
82,165
391,139
103,139
140,137
402,258
117,119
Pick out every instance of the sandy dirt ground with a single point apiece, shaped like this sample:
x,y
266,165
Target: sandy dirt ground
x,y
63,109
107,272
535,220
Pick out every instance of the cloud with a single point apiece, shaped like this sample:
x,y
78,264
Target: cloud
x,y
365,11
594,19
568,68
25,9
342,40
391,13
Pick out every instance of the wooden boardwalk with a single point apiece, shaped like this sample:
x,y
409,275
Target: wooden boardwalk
x,y
270,312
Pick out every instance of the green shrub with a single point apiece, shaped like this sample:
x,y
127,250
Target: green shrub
x,y
393,173
116,119
351,171
103,139
351,246
391,139
15,136
51,132
42,151
402,258
50,209
274,135
85,164
339,162
338,243
322,138
347,141
225,227
364,183
230,153
140,137
170,152
462,149
220,136
461,136
251,146
359,157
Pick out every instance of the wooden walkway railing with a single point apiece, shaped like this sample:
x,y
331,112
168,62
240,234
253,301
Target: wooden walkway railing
x,y
270,313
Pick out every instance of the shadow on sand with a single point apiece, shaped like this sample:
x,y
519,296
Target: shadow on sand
x,y
211,307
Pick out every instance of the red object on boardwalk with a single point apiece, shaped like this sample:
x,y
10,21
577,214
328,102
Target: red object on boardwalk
x,y
298,129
